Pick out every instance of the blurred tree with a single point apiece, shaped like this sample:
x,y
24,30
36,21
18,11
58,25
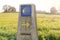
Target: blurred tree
x,y
8,8
11,9
53,10
5,8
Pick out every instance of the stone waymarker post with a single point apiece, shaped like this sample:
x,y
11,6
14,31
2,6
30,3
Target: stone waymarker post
x,y
27,29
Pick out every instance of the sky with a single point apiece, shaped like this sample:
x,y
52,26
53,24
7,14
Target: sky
x,y
41,5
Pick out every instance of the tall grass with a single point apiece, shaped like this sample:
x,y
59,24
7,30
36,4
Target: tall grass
x,y
48,26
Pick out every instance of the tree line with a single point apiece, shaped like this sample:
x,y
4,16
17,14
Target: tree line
x,y
8,8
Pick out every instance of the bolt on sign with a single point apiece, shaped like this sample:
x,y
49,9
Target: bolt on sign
x,y
27,29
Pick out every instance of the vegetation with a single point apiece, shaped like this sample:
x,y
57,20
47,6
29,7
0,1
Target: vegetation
x,y
48,26
9,9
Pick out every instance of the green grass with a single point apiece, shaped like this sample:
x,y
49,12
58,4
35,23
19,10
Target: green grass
x,y
48,26
8,26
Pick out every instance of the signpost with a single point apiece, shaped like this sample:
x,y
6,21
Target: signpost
x,y
27,29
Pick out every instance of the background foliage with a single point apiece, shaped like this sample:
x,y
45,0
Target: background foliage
x,y
48,26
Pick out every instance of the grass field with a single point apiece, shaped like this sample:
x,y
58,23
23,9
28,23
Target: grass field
x,y
48,26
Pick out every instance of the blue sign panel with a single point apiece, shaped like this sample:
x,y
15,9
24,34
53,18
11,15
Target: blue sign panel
x,y
26,10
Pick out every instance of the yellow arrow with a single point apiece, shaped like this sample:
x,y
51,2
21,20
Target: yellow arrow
x,y
26,24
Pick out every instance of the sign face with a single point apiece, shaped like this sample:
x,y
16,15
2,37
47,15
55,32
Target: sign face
x,y
26,10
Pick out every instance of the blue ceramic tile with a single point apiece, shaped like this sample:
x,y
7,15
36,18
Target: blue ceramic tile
x,y
26,10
